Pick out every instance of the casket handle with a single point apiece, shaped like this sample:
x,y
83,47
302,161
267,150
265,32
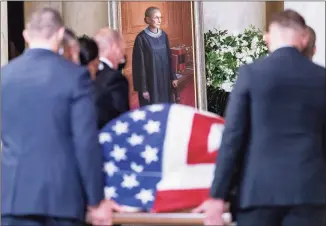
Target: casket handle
x,y
158,218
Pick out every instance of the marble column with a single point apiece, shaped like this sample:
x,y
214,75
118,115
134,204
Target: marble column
x,y
85,17
233,16
4,33
82,17
314,14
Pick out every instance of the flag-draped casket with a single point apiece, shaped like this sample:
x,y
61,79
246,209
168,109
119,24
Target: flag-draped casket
x,y
160,158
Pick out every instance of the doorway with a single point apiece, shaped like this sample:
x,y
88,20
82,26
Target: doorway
x,y
16,43
177,23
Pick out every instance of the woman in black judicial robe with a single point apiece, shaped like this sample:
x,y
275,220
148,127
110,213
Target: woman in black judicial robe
x,y
153,78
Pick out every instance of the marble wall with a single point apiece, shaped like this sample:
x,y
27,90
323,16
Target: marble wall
x,y
31,6
314,14
233,16
83,17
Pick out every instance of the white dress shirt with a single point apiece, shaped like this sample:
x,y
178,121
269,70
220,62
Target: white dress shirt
x,y
106,61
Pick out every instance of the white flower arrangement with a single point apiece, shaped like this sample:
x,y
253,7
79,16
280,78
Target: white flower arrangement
x,y
225,53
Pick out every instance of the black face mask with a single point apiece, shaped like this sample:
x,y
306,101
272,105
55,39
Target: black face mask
x,y
122,65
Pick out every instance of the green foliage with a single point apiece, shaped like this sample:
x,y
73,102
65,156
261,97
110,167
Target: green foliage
x,y
225,53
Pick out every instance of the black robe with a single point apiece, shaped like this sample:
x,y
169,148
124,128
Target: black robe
x,y
151,68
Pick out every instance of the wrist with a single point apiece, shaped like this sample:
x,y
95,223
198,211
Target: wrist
x,y
219,203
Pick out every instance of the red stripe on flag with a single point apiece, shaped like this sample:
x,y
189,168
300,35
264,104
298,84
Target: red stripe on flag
x,y
179,200
198,148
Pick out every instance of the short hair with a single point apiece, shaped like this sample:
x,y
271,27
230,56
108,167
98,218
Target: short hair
x,y
88,50
308,51
105,37
150,10
44,23
69,36
289,19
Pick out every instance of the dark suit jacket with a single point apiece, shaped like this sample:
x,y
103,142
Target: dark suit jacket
x,y
51,162
112,94
274,121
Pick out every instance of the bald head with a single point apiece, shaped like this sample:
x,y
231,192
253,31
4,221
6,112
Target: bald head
x,y
44,23
106,38
111,45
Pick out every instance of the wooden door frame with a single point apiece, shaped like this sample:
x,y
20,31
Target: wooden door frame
x,y
114,20
198,44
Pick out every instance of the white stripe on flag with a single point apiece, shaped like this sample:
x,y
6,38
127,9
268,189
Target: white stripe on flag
x,y
176,174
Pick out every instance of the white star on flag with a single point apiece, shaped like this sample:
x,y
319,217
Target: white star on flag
x,y
136,168
156,108
152,127
129,181
110,168
135,139
118,153
105,137
110,192
120,127
145,196
150,154
138,115
215,137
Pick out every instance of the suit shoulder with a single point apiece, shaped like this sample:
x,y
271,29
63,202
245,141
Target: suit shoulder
x,y
109,76
257,64
245,68
12,63
321,69
70,65
74,70
10,67
260,61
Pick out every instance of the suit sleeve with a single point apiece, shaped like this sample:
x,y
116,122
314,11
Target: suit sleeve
x,y
139,66
173,76
234,136
84,131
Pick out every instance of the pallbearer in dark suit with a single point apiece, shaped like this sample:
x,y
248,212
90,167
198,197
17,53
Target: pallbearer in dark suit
x,y
51,165
112,88
153,78
274,126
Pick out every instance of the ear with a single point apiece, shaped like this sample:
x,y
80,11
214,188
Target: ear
x,y
146,20
313,50
26,37
305,40
60,33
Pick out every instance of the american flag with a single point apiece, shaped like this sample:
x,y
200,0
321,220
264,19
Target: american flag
x,y
160,157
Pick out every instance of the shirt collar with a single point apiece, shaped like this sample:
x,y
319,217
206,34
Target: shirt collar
x,y
40,46
107,62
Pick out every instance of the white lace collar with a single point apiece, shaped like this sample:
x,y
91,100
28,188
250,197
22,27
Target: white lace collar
x,y
152,34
